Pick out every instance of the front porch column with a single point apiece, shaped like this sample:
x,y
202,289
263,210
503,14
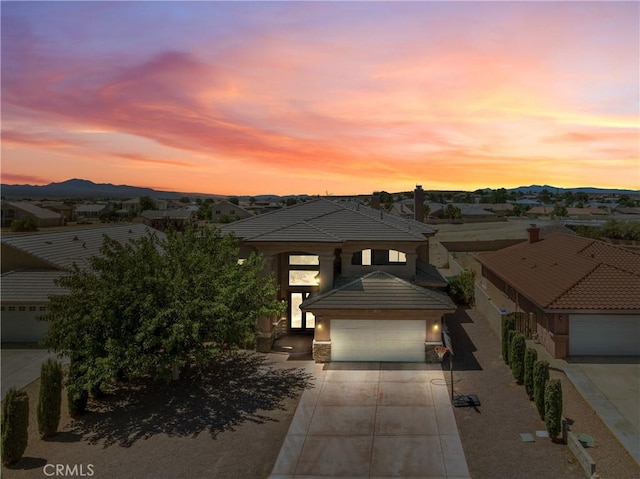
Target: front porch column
x,y
326,272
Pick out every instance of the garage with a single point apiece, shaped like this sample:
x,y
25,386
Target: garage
x,y
378,340
604,335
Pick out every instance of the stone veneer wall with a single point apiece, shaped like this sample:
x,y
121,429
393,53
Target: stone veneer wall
x,y
321,351
430,355
264,343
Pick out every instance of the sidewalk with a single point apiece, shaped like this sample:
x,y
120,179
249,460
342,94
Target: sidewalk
x,y
22,366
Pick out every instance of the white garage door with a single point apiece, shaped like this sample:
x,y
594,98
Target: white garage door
x,y
384,340
22,326
604,335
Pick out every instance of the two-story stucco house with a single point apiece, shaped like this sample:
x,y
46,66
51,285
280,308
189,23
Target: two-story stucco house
x,y
357,278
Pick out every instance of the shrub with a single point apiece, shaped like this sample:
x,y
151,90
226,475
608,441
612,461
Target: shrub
x,y
15,426
518,347
50,399
510,337
508,324
553,407
77,398
540,378
462,288
530,358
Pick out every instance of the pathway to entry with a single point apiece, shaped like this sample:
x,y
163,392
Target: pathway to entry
x,y
367,420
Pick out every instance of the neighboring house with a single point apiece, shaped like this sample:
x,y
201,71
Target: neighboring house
x,y
131,206
584,294
14,210
59,207
161,220
32,262
357,278
91,211
222,211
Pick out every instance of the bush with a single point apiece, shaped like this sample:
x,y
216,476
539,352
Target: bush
x,y
530,358
553,407
15,426
518,347
462,288
50,399
540,378
508,324
77,398
510,337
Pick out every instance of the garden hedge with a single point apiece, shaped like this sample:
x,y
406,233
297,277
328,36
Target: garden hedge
x,y
518,348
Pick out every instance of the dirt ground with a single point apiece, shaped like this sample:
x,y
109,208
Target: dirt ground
x,y
228,423
490,433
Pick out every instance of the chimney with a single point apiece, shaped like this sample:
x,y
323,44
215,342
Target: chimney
x,y
418,204
534,233
375,200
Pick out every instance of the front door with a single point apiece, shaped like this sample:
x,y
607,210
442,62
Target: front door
x,y
299,321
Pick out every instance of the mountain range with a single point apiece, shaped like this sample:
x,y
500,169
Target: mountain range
x,y
78,188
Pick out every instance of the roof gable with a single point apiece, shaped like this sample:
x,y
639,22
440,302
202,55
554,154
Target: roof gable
x,y
334,221
568,272
380,290
64,248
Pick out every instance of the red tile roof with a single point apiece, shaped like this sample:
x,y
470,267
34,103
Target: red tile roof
x,y
569,272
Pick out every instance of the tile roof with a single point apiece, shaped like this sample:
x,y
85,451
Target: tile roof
x,y
30,286
63,248
570,272
379,290
35,210
323,220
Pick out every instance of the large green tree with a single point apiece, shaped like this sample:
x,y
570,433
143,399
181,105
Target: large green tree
x,y
155,305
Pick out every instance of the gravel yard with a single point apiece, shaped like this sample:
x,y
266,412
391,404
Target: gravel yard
x,y
228,424
490,434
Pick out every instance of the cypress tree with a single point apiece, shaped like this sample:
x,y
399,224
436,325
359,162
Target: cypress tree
x,y
508,324
512,333
518,347
15,426
553,407
540,378
50,398
530,358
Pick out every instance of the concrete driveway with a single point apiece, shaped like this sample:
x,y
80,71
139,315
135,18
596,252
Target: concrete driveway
x,y
367,420
22,366
612,387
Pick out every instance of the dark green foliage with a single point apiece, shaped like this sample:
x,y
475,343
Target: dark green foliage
x,y
512,333
553,407
540,378
508,324
462,288
30,223
50,398
77,399
77,393
150,305
15,426
530,358
518,347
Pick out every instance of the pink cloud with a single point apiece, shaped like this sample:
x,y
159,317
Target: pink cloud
x,y
18,178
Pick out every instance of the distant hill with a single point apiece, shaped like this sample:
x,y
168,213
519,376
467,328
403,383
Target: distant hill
x,y
535,189
77,188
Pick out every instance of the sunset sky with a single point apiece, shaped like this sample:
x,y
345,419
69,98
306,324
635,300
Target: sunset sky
x,y
253,98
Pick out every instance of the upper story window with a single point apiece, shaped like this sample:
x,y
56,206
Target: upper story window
x,y
397,257
304,259
378,257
